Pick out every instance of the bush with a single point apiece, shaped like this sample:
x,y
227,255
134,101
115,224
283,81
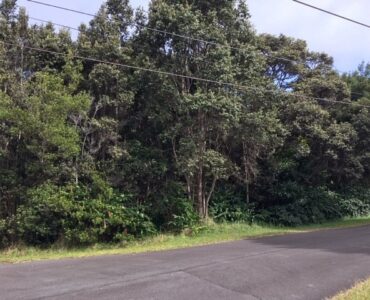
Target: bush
x,y
231,212
107,221
68,216
230,206
41,220
299,213
185,217
316,206
356,202
5,236
172,210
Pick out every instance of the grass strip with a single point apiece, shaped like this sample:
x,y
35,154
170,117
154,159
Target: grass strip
x,y
210,234
360,291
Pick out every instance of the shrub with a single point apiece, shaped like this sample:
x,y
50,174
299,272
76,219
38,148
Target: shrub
x,y
5,237
316,205
230,212
107,221
42,219
230,206
356,203
185,217
54,214
173,210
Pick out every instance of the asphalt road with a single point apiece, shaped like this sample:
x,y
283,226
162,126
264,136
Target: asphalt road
x,y
301,266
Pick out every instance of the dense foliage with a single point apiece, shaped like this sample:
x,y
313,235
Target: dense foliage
x,y
97,152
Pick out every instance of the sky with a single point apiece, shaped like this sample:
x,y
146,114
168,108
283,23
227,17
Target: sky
x,y
348,43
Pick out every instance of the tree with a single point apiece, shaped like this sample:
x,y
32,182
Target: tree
x,y
212,113
359,82
39,141
200,115
259,134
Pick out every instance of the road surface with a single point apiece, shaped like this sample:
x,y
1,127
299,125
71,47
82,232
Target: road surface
x,y
301,266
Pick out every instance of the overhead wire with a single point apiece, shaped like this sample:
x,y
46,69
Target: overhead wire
x,y
187,37
332,13
153,29
270,55
221,83
53,23
127,65
81,31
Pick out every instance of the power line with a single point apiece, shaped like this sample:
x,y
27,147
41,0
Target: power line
x,y
79,30
177,55
152,29
63,8
56,24
333,14
156,30
232,85
270,55
131,66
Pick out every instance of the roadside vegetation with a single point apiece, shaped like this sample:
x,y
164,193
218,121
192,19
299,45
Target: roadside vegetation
x,y
206,234
360,291
95,153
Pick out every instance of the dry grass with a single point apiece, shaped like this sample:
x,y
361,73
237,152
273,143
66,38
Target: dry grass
x,y
360,291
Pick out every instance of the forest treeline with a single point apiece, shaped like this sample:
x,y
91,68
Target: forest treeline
x,y
94,151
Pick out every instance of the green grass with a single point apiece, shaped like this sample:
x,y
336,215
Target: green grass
x,y
360,291
211,234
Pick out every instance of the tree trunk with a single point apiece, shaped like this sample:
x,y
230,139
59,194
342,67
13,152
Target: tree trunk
x,y
207,200
202,209
187,178
188,188
246,174
200,196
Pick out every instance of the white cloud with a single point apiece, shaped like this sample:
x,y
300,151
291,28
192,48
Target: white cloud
x,y
348,43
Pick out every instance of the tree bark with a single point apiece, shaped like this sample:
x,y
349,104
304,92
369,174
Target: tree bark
x,y
202,209
200,197
210,195
246,174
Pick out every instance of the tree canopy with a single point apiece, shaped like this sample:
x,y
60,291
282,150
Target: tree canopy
x,y
272,123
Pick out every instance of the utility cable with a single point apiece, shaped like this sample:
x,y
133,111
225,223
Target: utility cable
x,y
83,32
332,13
189,38
56,24
177,55
221,83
